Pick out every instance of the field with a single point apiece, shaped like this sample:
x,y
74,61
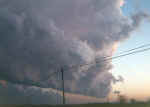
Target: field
x,y
83,105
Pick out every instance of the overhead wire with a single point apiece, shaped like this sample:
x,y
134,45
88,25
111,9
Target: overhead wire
x,y
139,47
115,57
121,54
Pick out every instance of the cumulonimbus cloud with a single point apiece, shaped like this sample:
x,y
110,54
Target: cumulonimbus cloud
x,y
39,36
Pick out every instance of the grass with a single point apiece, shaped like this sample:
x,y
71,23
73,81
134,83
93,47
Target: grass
x,y
83,105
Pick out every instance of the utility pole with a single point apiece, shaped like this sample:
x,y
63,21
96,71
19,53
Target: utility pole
x,y
63,87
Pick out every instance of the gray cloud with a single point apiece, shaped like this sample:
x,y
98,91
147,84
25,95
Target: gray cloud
x,y
37,37
19,94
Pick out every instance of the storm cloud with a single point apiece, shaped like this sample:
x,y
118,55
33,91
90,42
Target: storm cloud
x,y
37,37
19,94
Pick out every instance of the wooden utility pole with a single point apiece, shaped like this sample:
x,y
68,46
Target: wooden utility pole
x,y
63,87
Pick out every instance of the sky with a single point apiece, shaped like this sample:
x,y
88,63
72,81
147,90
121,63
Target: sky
x,y
38,38
134,68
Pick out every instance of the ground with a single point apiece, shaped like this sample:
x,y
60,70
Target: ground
x,y
83,105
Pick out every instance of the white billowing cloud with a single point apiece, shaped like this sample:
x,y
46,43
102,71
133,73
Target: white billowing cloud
x,y
37,37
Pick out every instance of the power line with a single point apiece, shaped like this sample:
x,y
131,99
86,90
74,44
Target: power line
x,y
111,58
142,46
62,71
96,62
63,88
57,87
139,47
106,59
134,52
121,54
37,84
